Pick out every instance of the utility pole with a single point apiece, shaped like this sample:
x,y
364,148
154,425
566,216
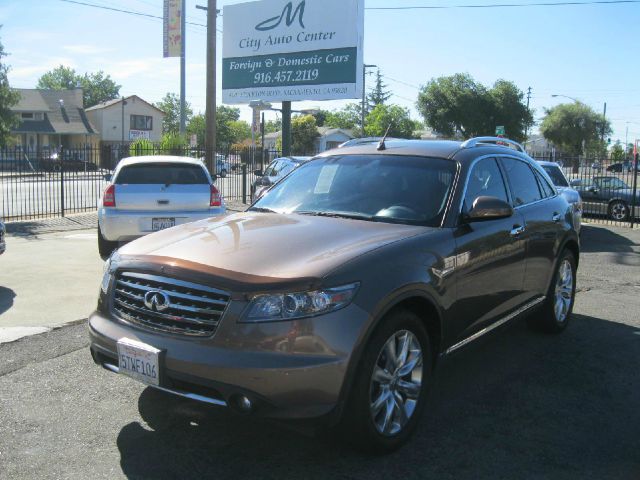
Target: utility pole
x,y
286,129
604,121
210,137
364,94
183,73
526,128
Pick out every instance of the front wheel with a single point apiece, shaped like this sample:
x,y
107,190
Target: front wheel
x,y
556,311
618,211
390,386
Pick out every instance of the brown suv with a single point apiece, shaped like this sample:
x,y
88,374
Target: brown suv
x,y
335,294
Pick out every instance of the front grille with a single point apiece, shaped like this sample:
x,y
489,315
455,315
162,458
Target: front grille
x,y
179,307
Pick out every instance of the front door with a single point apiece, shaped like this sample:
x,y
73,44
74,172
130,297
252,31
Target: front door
x,y
490,257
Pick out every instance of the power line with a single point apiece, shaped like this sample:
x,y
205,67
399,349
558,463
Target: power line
x,y
507,5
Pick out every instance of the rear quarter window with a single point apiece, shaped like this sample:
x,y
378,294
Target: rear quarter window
x,y
162,173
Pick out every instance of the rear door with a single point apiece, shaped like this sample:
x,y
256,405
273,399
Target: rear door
x,y
544,214
163,187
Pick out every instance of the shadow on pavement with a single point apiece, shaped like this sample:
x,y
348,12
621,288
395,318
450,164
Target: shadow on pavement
x,y
6,299
603,239
513,405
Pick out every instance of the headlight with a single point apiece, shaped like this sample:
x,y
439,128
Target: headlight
x,y
289,306
109,268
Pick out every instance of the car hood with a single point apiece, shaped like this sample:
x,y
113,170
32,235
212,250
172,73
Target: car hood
x,y
262,247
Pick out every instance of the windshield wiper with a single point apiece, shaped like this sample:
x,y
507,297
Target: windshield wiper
x,y
353,216
261,210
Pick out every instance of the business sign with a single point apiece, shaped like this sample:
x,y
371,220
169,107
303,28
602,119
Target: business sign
x,y
500,131
138,134
172,38
286,50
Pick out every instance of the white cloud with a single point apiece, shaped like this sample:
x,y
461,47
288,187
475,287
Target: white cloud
x,y
86,49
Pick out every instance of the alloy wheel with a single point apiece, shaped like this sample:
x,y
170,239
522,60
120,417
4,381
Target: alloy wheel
x,y
396,383
618,211
564,291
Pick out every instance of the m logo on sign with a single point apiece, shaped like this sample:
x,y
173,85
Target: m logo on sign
x,y
288,15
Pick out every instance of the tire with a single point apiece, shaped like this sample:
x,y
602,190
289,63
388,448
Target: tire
x,y
366,424
105,247
223,173
619,211
555,313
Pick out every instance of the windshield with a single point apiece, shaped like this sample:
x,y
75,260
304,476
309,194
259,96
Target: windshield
x,y
611,183
556,175
395,189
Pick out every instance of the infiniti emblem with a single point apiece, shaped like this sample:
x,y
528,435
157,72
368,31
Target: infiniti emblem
x,y
156,300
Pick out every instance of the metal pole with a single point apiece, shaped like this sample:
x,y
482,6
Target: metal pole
x,y
210,142
364,98
183,73
262,144
604,121
286,129
634,199
123,104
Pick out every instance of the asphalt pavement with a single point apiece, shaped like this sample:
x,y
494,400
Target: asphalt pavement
x,y
514,405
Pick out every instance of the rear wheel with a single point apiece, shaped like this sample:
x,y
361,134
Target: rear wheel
x,y
390,386
105,247
618,211
556,311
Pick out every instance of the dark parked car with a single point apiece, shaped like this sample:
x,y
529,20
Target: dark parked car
x,y
275,171
3,233
607,195
338,292
69,160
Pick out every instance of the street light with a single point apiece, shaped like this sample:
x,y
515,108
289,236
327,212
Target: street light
x,y
566,96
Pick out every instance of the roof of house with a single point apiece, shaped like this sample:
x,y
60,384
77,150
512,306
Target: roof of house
x,y
63,112
326,131
117,101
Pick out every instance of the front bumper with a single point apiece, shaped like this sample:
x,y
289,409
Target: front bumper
x,y
122,226
289,370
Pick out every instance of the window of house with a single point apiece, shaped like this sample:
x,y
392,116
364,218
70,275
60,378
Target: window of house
x,y
141,122
27,116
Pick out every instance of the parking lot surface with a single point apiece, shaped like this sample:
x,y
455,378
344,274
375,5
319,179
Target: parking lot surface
x,y
513,405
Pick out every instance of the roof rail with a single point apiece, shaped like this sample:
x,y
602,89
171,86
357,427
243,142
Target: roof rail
x,y
479,141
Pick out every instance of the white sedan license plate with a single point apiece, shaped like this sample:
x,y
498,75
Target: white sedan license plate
x,y
162,223
139,361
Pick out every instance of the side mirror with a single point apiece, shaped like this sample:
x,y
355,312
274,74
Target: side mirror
x,y
107,177
258,173
576,182
593,189
489,208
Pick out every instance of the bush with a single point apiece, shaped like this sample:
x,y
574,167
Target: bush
x,y
141,147
173,144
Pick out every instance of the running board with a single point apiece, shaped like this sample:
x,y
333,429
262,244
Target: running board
x,y
495,325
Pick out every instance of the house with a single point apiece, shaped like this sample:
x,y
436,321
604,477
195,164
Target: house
x,y
50,119
328,138
126,120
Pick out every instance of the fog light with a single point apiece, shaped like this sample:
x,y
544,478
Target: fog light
x,y
244,404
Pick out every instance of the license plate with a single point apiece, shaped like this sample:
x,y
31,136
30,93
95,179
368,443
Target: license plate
x,y
139,361
162,223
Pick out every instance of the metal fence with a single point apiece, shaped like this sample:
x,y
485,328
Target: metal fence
x,y
49,184
609,189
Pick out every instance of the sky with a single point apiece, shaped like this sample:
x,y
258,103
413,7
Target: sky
x,y
586,52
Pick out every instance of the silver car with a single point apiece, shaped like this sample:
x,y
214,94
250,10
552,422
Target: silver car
x,y
275,171
566,190
3,245
151,193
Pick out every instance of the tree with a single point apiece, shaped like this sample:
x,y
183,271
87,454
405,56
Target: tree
x,y
229,128
170,105
618,153
348,118
198,126
378,94
575,128
273,126
239,131
8,98
459,106
392,117
304,132
96,87
321,117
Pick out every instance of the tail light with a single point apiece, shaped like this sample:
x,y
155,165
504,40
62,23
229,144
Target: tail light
x,y
109,197
216,198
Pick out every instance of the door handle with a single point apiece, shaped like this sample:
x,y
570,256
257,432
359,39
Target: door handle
x,y
556,217
517,231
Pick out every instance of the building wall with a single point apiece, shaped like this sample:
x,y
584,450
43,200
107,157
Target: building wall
x,y
108,120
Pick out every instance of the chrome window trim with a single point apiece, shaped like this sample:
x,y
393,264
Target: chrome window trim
x,y
495,325
470,169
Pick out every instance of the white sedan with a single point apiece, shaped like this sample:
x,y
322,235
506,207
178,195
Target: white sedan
x,y
151,193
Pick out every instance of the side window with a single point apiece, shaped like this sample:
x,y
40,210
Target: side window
x,y
485,180
286,168
524,185
547,191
